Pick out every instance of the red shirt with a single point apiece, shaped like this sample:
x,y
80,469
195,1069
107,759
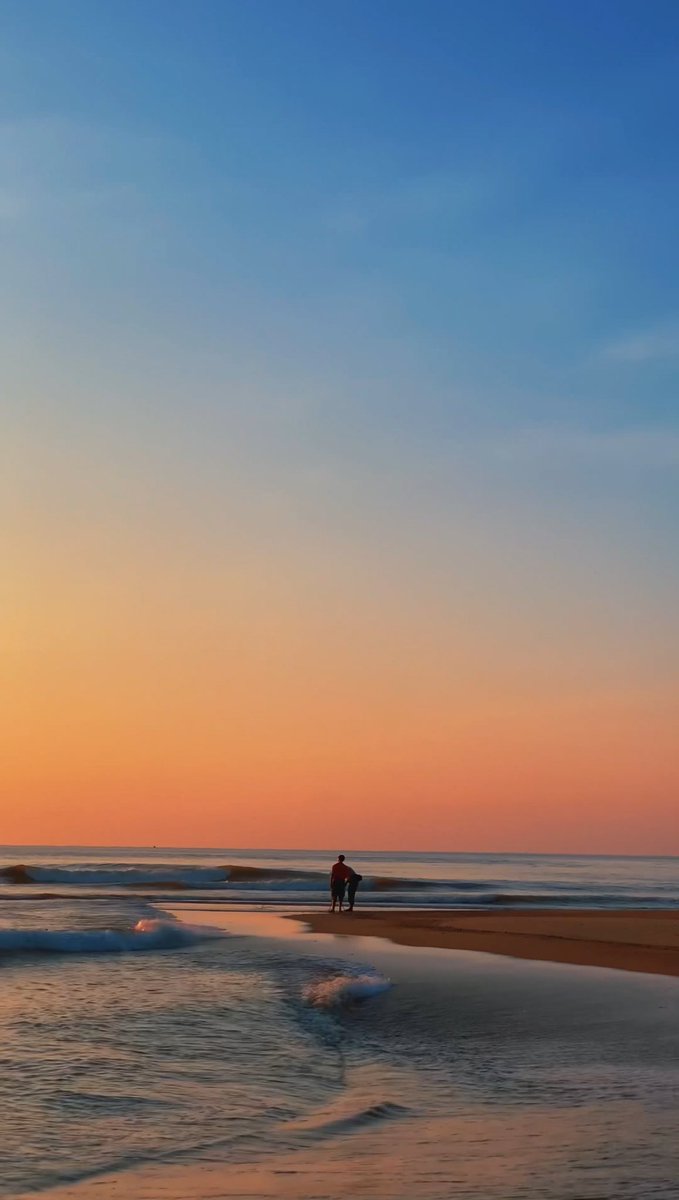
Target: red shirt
x,y
339,871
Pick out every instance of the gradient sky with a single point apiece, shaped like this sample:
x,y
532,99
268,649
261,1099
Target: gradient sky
x,y
339,348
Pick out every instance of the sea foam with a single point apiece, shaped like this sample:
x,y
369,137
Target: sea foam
x,y
148,934
341,990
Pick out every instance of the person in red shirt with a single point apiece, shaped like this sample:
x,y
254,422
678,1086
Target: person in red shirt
x,y
338,882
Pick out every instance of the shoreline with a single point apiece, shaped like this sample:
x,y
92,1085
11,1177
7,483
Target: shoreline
x,y
645,941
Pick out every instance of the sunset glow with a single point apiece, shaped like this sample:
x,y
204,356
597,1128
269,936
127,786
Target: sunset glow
x,y
340,479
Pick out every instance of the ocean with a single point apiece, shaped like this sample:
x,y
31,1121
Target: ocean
x,y
293,877
164,1028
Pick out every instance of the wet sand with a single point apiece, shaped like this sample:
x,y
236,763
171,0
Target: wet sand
x,y
646,941
469,1157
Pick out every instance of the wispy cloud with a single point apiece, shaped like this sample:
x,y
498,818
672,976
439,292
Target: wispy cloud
x,y
658,342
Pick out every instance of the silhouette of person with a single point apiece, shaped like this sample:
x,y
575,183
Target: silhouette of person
x,y
352,887
338,882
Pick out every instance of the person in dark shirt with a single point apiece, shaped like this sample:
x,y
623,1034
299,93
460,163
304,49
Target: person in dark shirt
x,y
352,885
338,882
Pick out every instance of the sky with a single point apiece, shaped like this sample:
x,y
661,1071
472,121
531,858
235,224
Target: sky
x,y
339,349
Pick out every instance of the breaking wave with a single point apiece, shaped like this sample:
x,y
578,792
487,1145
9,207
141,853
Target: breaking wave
x,y
339,990
148,934
243,883
177,878
118,875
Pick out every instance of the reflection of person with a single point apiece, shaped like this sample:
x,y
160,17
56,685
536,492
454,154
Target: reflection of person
x,y
354,880
338,881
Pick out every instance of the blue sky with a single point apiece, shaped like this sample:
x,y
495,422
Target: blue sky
x,y
478,199
387,275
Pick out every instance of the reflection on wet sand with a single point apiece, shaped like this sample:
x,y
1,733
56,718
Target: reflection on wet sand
x,y
480,1156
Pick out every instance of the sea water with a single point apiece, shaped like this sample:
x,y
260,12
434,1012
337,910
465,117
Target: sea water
x,y
297,877
134,1032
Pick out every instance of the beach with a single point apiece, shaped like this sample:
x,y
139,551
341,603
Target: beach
x,y
646,941
169,1030
464,1077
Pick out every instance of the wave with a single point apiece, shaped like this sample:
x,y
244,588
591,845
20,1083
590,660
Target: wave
x,y
329,1124
148,934
339,990
177,878
582,900
122,875
240,883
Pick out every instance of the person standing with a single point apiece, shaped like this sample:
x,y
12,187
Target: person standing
x,y
339,876
352,886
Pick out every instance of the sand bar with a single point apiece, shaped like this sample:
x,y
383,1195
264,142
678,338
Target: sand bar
x,y
646,941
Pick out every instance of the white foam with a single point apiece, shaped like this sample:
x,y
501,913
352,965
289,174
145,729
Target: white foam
x,y
345,989
148,934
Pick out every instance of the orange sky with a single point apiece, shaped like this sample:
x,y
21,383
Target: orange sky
x,y
303,698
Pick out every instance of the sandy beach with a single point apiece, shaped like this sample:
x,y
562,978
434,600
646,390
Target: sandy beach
x,y
646,941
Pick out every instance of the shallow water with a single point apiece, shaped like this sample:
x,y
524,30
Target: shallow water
x,y
229,1054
